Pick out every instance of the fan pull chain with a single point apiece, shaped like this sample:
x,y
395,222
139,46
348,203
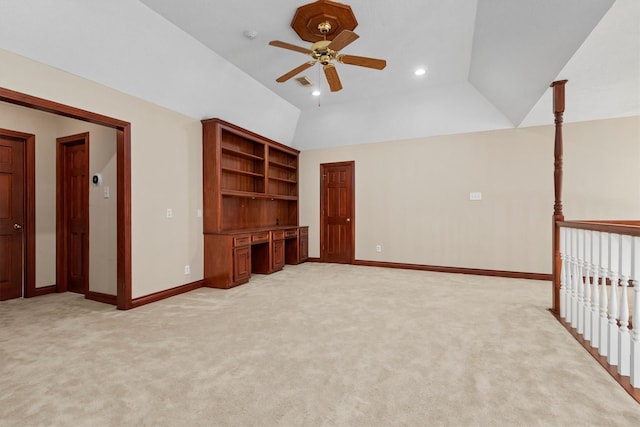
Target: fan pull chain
x,y
319,83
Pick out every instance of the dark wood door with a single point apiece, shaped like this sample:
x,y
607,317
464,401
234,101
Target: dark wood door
x,y
337,208
11,217
73,193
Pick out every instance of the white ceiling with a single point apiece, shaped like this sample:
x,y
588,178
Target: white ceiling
x,y
490,62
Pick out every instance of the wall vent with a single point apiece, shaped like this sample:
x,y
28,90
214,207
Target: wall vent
x,y
304,81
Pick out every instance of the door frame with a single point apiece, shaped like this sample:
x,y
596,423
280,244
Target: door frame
x,y
123,155
29,198
351,164
62,244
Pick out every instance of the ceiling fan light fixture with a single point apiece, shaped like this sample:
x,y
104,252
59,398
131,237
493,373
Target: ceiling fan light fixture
x,y
315,93
420,72
325,50
324,27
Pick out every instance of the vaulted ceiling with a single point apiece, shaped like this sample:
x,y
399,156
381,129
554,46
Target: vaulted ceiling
x,y
489,62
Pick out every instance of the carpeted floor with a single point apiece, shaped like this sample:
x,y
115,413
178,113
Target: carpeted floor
x,y
313,345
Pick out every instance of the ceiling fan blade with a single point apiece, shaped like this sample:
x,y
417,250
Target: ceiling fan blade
x,y
362,61
290,46
331,74
342,40
297,70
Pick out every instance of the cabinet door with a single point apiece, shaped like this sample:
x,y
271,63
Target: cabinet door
x,y
304,247
278,254
241,264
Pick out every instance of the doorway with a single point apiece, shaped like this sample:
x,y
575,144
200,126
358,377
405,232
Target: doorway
x,y
72,213
337,212
17,169
123,135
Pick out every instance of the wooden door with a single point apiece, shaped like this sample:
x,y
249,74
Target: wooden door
x,y
73,214
337,208
11,217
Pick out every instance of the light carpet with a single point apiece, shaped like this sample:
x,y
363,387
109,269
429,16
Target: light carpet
x,y
312,345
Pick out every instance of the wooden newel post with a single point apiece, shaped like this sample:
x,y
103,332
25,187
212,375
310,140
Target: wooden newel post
x,y
558,112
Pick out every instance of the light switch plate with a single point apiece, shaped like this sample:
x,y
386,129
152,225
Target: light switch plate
x,y
475,195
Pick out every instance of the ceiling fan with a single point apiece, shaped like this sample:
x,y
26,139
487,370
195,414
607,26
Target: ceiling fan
x,y
327,51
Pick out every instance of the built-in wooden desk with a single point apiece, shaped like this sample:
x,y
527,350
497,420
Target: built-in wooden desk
x,y
250,205
239,253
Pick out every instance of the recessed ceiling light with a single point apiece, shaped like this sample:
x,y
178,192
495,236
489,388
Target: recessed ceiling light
x,y
315,93
420,72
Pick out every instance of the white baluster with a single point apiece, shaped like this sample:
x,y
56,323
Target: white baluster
x,y
595,295
586,269
624,338
563,272
612,336
575,278
604,263
581,286
570,275
635,332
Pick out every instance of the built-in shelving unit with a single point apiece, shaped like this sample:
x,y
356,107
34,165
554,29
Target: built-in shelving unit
x,y
283,173
250,190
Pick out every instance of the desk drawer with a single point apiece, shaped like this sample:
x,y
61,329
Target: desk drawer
x,y
260,237
277,235
288,234
243,240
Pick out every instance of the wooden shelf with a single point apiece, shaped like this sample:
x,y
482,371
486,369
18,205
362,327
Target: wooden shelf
x,y
250,195
241,172
292,181
282,165
242,154
282,197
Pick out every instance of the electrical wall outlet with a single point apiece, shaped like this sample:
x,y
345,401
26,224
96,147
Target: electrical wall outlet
x,y
169,213
378,248
187,269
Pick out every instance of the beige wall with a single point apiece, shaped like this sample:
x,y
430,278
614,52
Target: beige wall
x,y
412,196
166,170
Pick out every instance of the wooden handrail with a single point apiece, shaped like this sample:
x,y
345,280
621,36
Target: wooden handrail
x,y
618,227
581,277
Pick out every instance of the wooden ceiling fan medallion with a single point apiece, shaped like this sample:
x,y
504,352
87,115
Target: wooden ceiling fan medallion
x,y
309,16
